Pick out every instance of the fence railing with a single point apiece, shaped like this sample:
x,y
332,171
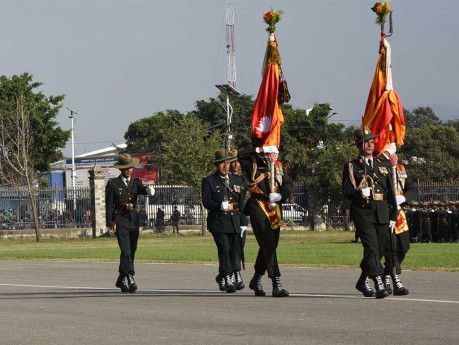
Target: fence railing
x,y
57,208
438,191
71,208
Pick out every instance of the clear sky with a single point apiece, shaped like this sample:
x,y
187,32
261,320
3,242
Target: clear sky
x,y
118,61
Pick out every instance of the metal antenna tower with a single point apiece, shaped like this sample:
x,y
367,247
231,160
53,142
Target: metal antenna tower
x,y
230,88
230,49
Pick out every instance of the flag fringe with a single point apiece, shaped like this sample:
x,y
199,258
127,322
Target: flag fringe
x,y
272,56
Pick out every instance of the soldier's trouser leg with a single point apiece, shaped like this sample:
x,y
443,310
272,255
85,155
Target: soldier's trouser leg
x,y
236,257
388,264
127,242
267,240
374,240
222,242
403,246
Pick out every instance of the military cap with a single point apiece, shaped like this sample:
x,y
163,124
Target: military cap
x,y
221,155
233,155
125,161
363,134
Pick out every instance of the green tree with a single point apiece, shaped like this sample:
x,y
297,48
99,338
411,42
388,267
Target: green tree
x,y
149,134
327,176
420,116
29,137
188,153
431,153
214,113
48,139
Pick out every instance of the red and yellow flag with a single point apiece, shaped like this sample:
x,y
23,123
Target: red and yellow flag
x,y
384,111
267,116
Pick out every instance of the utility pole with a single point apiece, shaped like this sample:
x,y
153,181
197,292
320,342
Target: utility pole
x,y
71,116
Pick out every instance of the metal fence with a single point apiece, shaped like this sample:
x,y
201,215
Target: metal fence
x,y
168,198
438,191
57,208
71,208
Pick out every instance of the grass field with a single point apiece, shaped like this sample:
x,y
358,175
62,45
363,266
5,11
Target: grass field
x,y
296,248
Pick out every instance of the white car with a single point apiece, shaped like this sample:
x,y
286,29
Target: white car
x,y
294,212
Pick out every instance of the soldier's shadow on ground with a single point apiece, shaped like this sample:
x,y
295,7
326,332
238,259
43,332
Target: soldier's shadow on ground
x,y
158,293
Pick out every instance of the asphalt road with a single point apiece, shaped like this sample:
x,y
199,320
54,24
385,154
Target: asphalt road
x,y
50,302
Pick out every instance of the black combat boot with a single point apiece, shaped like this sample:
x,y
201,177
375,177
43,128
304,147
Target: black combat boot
x,y
381,291
121,283
131,283
238,282
278,290
229,286
363,285
399,289
255,285
221,282
387,284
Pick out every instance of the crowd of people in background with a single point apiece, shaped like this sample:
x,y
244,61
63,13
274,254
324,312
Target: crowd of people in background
x,y
433,221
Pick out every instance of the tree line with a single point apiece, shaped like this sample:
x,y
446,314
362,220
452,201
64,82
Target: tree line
x,y
313,149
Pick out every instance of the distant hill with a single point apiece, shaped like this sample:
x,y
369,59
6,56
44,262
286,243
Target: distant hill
x,y
443,111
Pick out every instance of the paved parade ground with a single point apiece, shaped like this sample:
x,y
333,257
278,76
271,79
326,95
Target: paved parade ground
x,y
50,302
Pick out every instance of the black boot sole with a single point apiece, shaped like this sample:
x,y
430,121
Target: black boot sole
x,y
402,292
381,294
282,293
240,286
230,289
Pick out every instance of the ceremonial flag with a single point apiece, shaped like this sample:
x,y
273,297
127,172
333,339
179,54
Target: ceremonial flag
x,y
267,116
384,111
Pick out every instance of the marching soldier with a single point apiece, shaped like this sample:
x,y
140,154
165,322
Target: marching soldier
x,y
367,183
222,197
269,186
406,192
121,212
235,168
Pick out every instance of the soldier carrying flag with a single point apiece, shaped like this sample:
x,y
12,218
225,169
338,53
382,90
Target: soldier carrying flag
x,y
266,179
384,115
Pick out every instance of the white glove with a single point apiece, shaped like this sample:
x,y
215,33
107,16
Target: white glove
x,y
366,192
274,197
224,205
270,149
243,229
150,190
400,199
391,225
391,148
